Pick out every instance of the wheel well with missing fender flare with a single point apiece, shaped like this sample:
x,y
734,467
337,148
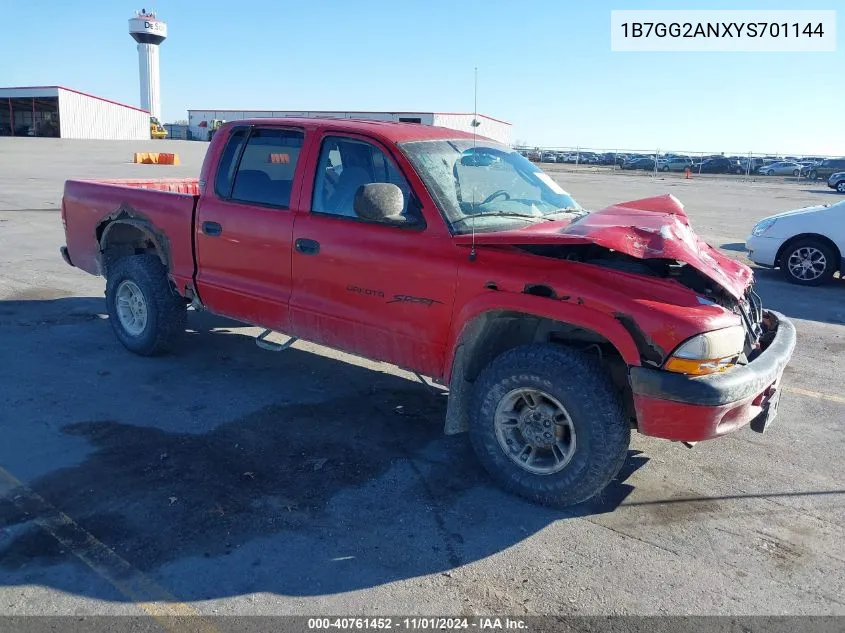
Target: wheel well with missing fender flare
x,y
491,334
123,237
810,236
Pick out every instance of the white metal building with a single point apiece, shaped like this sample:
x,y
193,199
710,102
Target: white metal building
x,y
66,113
199,121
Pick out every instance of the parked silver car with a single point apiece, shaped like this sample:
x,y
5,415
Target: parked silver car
x,y
674,163
782,168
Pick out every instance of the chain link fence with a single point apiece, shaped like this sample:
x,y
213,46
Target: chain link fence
x,y
747,165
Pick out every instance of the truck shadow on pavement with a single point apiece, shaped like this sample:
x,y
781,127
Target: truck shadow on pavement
x,y
345,486
826,191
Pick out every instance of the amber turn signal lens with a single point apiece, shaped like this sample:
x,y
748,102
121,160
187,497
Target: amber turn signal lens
x,y
698,367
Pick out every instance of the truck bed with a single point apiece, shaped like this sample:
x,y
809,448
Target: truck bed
x,y
164,207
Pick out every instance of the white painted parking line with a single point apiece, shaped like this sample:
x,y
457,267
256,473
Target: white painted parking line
x,y
815,394
171,614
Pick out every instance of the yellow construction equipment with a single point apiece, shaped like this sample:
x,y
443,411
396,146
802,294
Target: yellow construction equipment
x,y
156,129
213,126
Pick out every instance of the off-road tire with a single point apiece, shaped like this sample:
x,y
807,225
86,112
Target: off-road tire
x,y
829,255
166,311
581,385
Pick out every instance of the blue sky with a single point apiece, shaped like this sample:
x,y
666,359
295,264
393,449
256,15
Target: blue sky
x,y
544,66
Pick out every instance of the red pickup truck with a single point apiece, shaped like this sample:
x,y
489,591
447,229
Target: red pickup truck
x,y
557,331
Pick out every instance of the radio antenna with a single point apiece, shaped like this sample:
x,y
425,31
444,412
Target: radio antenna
x,y
474,125
475,108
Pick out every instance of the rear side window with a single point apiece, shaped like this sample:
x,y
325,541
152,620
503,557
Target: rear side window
x,y
228,162
267,166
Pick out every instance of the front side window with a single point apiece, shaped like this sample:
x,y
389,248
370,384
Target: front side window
x,y
344,166
265,172
486,186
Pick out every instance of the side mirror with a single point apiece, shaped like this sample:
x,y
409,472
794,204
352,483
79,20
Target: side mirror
x,y
380,202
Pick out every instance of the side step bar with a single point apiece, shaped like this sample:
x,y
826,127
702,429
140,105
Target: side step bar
x,y
263,343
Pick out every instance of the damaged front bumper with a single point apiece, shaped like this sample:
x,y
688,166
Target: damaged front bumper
x,y
694,408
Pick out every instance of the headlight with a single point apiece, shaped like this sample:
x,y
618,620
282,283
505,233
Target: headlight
x,y
762,226
708,353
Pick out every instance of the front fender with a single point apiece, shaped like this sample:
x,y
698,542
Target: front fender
x,y
571,312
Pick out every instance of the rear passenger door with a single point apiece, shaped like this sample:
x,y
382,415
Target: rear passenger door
x,y
244,226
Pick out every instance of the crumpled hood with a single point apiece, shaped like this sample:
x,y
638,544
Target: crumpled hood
x,y
651,228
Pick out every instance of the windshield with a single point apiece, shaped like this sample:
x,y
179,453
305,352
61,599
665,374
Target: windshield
x,y
487,187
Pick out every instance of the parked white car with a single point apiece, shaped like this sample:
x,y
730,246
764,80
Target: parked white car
x,y
806,244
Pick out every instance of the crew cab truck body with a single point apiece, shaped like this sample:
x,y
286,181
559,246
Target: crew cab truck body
x,y
556,331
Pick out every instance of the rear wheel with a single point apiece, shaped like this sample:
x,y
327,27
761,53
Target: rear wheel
x,y
665,168
145,313
813,175
548,425
796,172
808,262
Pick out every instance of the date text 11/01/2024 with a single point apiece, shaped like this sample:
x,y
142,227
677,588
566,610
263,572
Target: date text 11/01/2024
x,y
417,623
721,29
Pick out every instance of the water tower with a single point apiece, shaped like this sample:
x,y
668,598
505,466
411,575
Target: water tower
x,y
149,32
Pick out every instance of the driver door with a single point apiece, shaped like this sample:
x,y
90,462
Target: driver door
x,y
382,291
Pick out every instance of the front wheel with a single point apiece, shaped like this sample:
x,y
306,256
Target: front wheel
x,y
840,186
812,175
145,313
796,172
665,168
808,262
548,425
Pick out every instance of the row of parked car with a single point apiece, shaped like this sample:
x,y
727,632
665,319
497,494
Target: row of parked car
x,y
808,167
582,158
811,168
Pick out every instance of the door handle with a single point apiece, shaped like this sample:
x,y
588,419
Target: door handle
x,y
307,247
212,229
